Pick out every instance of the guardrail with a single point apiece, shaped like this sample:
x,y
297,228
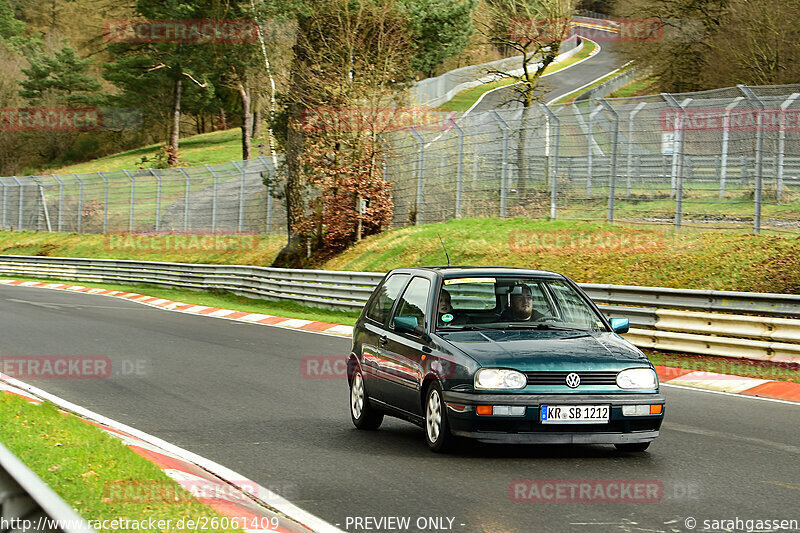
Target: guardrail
x,y
726,323
28,504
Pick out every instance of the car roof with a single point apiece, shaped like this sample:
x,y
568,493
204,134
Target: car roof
x,y
458,271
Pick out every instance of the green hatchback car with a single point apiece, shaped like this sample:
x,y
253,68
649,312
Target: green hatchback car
x,y
502,355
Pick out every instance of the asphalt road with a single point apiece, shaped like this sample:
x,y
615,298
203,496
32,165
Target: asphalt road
x,y
235,394
558,83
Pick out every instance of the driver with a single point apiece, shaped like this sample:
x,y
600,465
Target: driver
x,y
520,308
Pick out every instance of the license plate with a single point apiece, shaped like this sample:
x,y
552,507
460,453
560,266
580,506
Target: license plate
x,y
574,414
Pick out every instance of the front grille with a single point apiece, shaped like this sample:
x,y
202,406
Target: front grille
x,y
560,378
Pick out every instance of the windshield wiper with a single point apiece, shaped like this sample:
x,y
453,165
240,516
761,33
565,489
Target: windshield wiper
x,y
467,328
546,327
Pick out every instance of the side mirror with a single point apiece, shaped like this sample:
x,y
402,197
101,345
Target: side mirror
x,y
620,325
405,324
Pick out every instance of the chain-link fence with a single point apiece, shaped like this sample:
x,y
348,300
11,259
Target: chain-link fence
x,y
226,198
721,158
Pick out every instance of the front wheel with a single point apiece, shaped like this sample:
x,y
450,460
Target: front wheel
x,y
364,416
437,430
632,446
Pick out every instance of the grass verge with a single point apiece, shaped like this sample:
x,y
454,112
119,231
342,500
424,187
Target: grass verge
x,y
219,299
569,97
85,466
462,101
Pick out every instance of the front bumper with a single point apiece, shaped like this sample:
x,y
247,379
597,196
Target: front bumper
x,y
620,429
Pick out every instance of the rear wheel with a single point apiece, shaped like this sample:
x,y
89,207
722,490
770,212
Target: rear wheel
x,y
364,416
632,446
437,430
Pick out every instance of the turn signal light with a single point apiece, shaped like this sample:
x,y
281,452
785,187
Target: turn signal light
x,y
656,409
484,409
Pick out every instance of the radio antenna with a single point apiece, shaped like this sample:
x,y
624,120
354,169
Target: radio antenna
x,y
445,249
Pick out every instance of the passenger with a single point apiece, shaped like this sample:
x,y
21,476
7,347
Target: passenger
x,y
447,315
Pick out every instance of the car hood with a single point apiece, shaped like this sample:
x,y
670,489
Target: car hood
x,y
531,350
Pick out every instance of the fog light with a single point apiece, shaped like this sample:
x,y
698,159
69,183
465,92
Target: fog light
x,y
635,410
509,410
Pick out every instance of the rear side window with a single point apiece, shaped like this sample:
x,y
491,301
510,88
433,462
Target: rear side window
x,y
383,302
415,300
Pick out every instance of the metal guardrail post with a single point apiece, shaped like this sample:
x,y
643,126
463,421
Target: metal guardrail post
x,y
504,163
158,196
186,199
420,172
214,199
241,196
133,196
551,152
20,198
5,202
28,502
782,145
677,153
60,199
612,178
80,202
726,132
631,118
105,203
755,100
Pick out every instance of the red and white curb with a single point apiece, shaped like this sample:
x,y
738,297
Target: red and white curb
x,y
228,493
726,383
192,309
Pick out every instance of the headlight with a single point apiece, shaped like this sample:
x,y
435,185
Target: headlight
x,y
499,378
637,378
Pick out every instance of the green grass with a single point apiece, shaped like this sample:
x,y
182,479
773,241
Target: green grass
x,y
208,148
569,97
85,465
219,299
638,87
590,253
225,249
723,365
467,98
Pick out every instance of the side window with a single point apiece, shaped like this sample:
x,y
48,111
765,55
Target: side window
x,y
415,300
385,299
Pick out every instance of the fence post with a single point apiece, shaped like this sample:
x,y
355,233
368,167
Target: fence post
x,y
105,203
677,154
612,180
5,201
186,199
551,152
590,149
20,198
214,199
726,131
420,173
80,202
133,196
631,118
504,163
241,196
750,95
158,196
782,146
460,167
60,199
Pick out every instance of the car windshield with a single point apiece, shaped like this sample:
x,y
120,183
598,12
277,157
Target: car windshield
x,y
514,303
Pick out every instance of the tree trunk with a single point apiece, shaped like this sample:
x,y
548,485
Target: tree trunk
x,y
247,121
175,134
256,124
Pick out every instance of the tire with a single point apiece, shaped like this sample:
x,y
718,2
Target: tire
x,y
632,446
364,416
437,429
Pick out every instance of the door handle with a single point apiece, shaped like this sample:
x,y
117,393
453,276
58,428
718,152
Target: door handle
x,y
384,340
